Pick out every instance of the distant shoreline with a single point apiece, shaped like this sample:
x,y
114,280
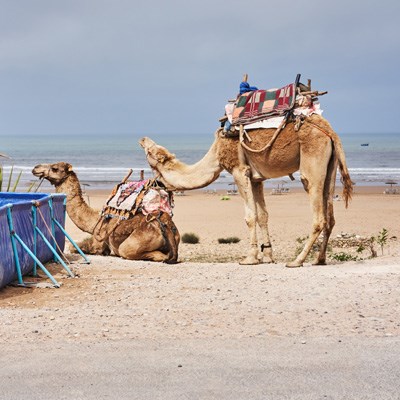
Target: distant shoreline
x,y
223,187
360,189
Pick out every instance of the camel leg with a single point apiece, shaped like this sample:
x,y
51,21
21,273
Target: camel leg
x,y
245,190
313,175
137,247
262,220
92,246
319,222
330,217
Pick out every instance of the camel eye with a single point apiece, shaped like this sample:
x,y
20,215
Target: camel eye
x,y
54,169
151,153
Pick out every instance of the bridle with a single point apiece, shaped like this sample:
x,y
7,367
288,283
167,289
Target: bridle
x,y
158,175
59,181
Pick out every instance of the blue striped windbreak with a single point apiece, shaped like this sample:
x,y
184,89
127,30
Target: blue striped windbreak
x,y
21,206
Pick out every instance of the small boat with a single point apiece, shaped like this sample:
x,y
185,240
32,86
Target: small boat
x,y
364,144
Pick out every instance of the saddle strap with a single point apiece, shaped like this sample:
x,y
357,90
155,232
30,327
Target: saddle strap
x,y
319,128
268,145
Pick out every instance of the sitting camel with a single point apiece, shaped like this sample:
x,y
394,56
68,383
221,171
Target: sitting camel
x,y
138,238
315,149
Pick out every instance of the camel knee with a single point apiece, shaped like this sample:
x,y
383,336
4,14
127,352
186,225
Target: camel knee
x,y
305,183
250,221
331,223
319,226
129,251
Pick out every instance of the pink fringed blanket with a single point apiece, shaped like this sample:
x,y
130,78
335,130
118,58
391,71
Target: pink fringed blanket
x,y
128,198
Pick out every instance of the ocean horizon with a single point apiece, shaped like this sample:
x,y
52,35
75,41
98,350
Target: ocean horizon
x,y
101,161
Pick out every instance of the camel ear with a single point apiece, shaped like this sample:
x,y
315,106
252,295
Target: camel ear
x,y
69,167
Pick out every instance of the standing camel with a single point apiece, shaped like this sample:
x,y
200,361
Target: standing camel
x,y
315,150
137,238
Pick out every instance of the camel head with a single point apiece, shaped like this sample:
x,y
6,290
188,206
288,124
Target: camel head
x,y
155,153
56,173
160,160
175,174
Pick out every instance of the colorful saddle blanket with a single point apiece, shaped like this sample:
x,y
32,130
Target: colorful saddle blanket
x,y
128,198
263,104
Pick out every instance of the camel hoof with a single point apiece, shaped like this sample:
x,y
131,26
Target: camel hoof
x,y
318,262
173,261
268,260
293,264
250,261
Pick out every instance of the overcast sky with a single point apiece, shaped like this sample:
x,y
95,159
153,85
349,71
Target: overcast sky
x,y
162,66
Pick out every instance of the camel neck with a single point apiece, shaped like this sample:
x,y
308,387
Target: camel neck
x,y
81,214
185,177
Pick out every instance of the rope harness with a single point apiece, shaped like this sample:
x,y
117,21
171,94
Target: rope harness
x,y
298,121
162,228
243,132
319,128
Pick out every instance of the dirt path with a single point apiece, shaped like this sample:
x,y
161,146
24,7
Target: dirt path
x,y
116,299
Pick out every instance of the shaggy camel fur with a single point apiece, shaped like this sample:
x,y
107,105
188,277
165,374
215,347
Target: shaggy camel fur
x,y
133,239
315,150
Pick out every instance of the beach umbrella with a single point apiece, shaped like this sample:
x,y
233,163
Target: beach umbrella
x,y
391,183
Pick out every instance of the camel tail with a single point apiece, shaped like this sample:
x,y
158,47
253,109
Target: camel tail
x,y
344,172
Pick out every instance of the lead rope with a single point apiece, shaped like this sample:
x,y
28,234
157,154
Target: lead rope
x,y
51,234
162,228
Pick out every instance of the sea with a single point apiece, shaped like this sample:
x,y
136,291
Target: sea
x,y
102,161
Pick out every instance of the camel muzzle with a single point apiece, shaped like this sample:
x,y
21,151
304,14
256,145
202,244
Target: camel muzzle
x,y
143,141
38,174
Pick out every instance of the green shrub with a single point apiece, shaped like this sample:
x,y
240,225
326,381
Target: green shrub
x,y
229,240
342,256
314,249
12,183
10,187
382,238
191,238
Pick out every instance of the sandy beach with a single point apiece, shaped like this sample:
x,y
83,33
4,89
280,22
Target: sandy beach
x,y
211,218
211,268
208,299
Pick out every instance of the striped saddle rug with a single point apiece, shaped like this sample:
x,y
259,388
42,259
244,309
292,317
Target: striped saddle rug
x,y
263,104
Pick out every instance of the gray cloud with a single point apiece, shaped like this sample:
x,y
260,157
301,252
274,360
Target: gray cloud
x,y
123,66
